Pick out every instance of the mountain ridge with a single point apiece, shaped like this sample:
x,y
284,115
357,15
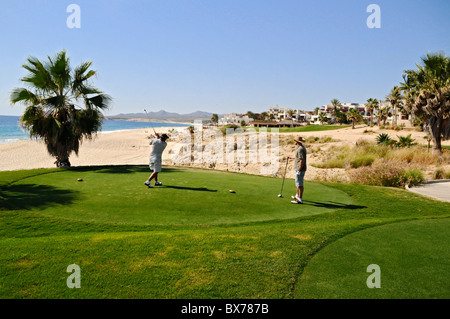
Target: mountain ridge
x,y
164,115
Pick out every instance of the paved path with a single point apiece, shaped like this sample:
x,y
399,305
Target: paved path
x,y
437,190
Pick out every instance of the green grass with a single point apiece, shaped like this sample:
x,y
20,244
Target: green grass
x,y
194,239
306,128
413,259
312,128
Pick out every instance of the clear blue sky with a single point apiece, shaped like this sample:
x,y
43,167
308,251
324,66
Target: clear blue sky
x,y
226,56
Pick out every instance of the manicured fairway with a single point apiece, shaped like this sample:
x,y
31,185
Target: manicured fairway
x,y
187,197
194,239
413,257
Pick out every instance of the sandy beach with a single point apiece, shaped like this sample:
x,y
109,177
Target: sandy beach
x,y
131,147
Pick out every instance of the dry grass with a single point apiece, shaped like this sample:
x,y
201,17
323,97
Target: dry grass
x,y
365,153
376,164
383,172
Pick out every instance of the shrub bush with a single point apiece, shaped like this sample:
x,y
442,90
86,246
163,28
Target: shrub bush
x,y
387,173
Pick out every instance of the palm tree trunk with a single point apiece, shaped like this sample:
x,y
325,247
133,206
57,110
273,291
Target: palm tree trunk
x,y
433,125
395,115
62,162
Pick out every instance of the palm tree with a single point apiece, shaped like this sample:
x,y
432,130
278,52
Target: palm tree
x,y
215,118
336,107
427,95
291,113
323,117
396,99
354,116
371,105
383,114
51,100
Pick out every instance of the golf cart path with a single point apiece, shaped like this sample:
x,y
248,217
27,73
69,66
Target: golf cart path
x,y
439,190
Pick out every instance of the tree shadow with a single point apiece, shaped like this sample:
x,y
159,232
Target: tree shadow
x,y
111,169
332,205
198,189
32,196
118,169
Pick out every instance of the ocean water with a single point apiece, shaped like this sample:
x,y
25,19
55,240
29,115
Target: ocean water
x,y
10,130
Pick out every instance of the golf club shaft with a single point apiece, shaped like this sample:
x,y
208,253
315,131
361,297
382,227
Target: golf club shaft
x,y
149,120
285,169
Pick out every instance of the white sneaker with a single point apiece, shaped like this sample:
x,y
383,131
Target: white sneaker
x,y
147,183
295,196
158,184
298,201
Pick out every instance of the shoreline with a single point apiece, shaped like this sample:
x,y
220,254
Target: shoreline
x,y
28,138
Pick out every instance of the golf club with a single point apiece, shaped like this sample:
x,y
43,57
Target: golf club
x,y
149,120
282,185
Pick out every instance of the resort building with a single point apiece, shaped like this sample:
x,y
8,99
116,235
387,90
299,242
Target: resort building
x,y
234,118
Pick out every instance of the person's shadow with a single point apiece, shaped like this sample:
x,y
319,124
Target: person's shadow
x,y
332,205
197,189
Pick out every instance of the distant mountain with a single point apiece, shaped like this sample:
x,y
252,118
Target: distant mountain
x,y
164,116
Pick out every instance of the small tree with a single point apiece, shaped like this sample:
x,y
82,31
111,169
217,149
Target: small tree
x,y
395,98
371,105
215,119
341,117
354,116
323,117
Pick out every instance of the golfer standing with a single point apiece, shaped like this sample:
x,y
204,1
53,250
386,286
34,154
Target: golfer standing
x,y
300,170
155,159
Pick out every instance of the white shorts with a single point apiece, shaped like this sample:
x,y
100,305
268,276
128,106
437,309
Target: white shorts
x,y
299,176
155,167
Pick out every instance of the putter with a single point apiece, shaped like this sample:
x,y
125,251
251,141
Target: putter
x,y
150,121
282,185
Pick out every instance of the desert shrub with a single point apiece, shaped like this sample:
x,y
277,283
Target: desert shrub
x,y
383,138
405,141
362,160
439,174
387,173
288,141
311,139
316,139
327,139
412,176
365,153
232,126
362,142
414,155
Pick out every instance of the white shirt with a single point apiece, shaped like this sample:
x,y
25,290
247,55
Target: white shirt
x,y
158,147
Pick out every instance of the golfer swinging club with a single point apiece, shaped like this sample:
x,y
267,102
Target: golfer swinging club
x,y
300,170
155,159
